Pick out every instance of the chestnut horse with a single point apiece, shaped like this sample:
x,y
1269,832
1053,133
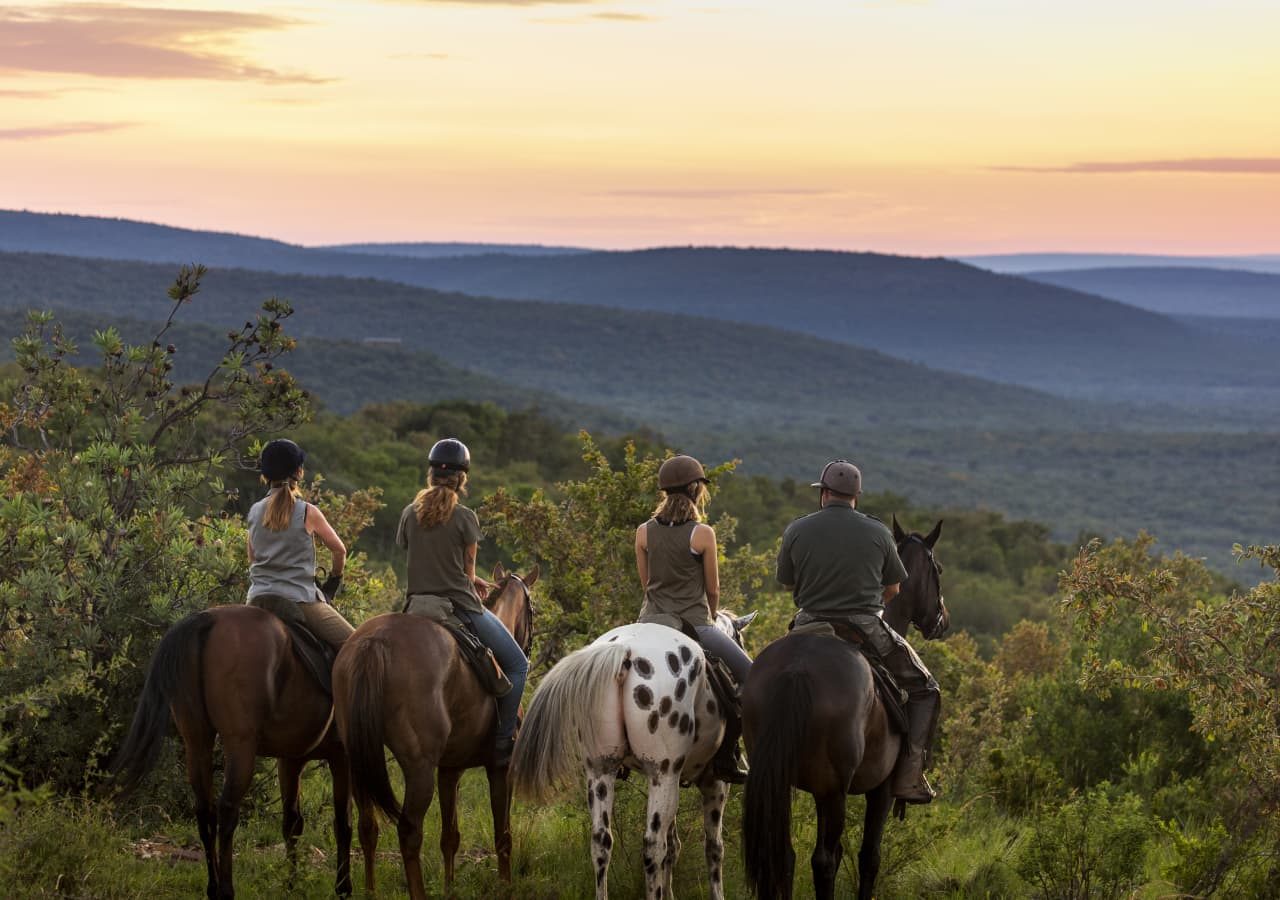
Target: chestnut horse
x,y
812,720
401,681
231,671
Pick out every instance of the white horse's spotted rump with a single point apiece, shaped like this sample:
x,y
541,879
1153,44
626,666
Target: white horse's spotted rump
x,y
638,696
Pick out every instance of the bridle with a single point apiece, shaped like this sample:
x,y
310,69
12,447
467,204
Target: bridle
x,y
935,626
526,613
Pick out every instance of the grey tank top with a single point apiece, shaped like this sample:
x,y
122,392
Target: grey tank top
x,y
677,585
284,562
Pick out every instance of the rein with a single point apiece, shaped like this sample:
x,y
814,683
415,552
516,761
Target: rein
x,y
525,613
936,566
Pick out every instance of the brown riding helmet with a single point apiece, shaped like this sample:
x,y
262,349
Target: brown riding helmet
x,y
840,476
680,471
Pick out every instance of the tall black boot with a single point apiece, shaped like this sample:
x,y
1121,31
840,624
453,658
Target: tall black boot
x,y
909,782
728,765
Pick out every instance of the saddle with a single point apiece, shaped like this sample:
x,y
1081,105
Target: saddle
x,y
891,695
474,651
316,655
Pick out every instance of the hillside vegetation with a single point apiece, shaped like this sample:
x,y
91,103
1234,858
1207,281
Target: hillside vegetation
x,y
1177,291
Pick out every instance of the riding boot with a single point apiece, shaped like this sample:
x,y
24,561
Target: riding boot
x,y
502,750
909,783
729,765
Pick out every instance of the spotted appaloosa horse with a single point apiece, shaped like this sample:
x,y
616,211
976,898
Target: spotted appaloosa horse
x,y
639,696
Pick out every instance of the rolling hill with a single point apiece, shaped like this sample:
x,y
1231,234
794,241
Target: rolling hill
x,y
1177,291
1022,263
943,314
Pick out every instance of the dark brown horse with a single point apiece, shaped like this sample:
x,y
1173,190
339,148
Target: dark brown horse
x,y
812,720
231,671
401,681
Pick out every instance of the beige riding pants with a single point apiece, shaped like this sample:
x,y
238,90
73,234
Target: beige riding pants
x,y
327,623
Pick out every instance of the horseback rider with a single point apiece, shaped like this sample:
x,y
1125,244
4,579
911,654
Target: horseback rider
x,y
843,566
442,537
282,550
678,568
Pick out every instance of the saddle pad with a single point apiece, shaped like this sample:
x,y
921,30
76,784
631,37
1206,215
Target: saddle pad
x,y
315,655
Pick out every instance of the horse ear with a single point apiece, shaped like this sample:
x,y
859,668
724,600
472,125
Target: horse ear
x,y
532,576
742,622
499,573
898,534
932,537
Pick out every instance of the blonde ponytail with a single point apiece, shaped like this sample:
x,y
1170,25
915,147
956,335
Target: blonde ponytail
x,y
435,503
677,507
280,507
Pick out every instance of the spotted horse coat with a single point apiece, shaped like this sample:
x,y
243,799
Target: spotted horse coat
x,y
638,696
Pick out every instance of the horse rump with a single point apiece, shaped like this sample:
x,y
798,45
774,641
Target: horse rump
x,y
173,682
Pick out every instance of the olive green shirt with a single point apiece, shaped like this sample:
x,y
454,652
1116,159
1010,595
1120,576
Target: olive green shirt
x,y
839,561
677,585
437,556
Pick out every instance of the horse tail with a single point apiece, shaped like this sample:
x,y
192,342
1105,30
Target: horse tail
x,y
364,726
173,681
766,806
562,725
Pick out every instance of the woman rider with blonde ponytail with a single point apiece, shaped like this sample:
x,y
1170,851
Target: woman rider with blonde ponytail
x,y
442,537
282,551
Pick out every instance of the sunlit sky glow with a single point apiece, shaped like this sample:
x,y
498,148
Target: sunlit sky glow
x,y
912,126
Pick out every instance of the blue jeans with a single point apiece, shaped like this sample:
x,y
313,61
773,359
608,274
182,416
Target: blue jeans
x,y
509,655
717,643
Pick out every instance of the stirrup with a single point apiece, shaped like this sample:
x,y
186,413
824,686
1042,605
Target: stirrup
x,y
919,791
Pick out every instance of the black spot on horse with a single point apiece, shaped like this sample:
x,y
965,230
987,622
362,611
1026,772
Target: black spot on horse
x,y
711,707
685,654
715,817
612,639
591,797
643,667
686,724
601,790
674,719
673,663
643,696
679,764
604,817
665,766
606,840
665,706
653,723
681,687
600,870
626,663
656,823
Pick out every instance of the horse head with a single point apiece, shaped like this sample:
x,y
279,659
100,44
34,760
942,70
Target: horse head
x,y
511,602
920,598
727,623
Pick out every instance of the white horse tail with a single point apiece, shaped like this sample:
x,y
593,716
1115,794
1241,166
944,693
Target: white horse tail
x,y
562,726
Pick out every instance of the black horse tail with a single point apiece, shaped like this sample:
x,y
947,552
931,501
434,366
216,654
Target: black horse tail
x,y
766,815
173,680
363,727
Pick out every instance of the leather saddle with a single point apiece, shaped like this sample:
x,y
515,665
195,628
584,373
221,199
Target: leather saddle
x,y
474,651
891,695
315,655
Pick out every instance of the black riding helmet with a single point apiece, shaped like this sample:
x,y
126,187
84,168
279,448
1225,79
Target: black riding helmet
x,y
280,459
449,455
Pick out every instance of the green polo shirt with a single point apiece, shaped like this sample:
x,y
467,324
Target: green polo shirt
x,y
839,561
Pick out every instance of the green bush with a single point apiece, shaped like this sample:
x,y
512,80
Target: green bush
x,y
1091,848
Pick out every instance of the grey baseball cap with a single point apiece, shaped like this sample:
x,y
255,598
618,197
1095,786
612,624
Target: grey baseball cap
x,y
840,476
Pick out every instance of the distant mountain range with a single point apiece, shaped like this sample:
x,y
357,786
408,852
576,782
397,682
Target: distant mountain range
x,y
1021,263
429,250
937,312
1178,291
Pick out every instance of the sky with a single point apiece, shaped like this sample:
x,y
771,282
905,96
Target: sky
x,y
923,127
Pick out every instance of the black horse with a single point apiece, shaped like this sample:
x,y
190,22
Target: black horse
x,y
812,720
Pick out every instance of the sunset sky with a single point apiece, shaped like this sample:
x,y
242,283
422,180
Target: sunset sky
x,y
915,126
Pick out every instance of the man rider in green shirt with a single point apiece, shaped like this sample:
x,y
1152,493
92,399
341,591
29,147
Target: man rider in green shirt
x,y
843,565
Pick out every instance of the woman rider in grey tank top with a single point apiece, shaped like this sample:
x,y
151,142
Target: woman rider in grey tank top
x,y
282,552
678,568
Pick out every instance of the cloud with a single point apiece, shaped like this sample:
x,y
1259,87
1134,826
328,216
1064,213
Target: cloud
x,y
1216,165
430,56
590,18
26,95
120,41
719,193
64,129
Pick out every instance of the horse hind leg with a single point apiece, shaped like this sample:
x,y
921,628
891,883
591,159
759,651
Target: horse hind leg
x,y
340,771
290,776
238,757
659,851
879,802
199,754
714,795
450,836
419,786
500,807
601,785
828,850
